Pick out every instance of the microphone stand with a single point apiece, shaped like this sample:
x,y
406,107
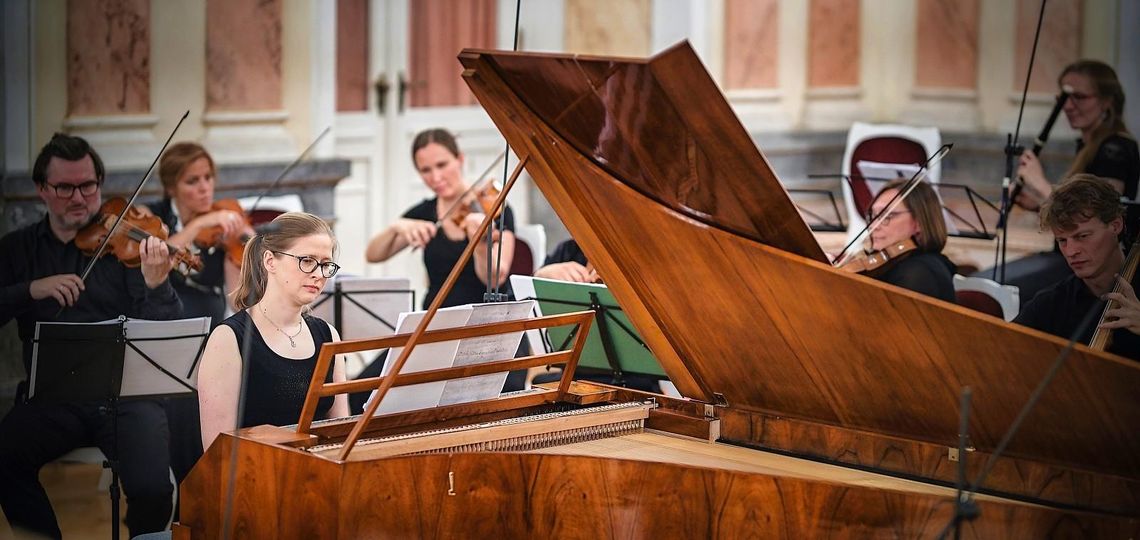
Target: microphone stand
x,y
965,509
1012,151
494,294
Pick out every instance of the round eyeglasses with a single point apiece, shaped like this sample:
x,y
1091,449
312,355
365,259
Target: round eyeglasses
x,y
307,264
65,191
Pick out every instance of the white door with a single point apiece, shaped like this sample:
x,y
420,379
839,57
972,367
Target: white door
x,y
414,83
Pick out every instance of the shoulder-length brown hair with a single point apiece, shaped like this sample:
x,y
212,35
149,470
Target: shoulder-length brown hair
x,y
175,160
926,209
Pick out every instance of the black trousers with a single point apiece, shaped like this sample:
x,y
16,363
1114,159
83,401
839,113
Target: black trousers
x,y
34,434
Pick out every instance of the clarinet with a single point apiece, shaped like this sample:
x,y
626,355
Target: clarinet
x,y
1041,139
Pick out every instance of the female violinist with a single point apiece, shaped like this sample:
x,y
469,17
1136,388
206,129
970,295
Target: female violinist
x,y
188,207
440,164
188,174
924,268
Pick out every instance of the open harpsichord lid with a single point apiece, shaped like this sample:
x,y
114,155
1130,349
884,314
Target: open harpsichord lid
x,y
654,176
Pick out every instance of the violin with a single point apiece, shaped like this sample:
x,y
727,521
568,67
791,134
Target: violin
x,y
135,227
234,244
482,200
876,263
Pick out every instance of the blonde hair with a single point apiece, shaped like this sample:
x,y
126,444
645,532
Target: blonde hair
x,y
926,209
176,159
279,235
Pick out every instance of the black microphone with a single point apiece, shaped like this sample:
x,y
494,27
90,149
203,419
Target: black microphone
x,y
1043,137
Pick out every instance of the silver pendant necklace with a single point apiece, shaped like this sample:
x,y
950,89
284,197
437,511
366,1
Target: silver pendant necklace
x,y
292,343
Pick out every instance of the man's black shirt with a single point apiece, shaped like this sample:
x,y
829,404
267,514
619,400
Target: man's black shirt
x,y
111,290
1059,310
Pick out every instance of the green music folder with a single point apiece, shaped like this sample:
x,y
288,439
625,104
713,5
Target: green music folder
x,y
632,356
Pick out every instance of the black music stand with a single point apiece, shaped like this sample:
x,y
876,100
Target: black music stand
x,y
342,292
85,362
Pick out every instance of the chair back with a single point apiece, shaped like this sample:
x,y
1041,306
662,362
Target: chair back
x,y
523,262
882,143
988,296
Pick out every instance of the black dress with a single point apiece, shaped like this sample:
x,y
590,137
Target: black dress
x,y
276,387
441,254
928,273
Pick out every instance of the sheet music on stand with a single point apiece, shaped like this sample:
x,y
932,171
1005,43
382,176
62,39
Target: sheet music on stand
x,y
118,358
455,353
364,307
967,213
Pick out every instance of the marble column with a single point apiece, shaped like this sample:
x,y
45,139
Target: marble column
x,y
835,96
108,78
245,118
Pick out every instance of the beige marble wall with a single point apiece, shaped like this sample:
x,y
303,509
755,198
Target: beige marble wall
x,y
439,30
108,57
352,84
946,44
243,55
1059,44
833,43
621,28
751,43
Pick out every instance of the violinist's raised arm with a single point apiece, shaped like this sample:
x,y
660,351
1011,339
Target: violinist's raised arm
x,y
39,274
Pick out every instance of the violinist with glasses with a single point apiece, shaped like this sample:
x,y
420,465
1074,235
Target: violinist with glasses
x,y
40,281
906,248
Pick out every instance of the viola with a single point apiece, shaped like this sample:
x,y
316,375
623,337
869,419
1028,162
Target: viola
x,y
136,226
877,263
234,244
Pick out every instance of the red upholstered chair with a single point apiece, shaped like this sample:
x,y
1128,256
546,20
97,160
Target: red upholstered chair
x,y
988,296
523,263
882,143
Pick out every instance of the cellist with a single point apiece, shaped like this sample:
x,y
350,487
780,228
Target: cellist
x,y
1086,218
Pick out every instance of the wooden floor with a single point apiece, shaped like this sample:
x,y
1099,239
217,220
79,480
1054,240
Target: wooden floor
x,y
83,510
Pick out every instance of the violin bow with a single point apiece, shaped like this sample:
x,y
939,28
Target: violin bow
x,y
131,201
896,200
288,169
